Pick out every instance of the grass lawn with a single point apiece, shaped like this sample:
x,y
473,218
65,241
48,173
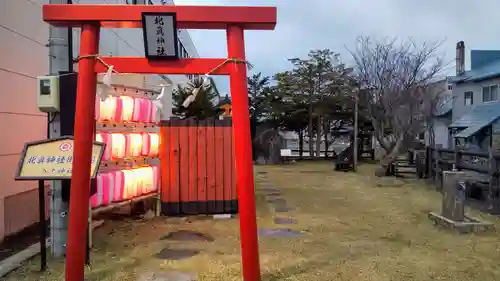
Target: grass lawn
x,y
355,227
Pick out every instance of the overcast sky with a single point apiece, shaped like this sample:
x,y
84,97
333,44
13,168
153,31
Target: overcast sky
x,y
335,24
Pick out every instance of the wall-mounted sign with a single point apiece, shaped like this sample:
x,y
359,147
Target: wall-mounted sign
x,y
160,35
53,159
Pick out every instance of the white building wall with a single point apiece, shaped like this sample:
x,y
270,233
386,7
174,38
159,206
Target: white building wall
x,y
441,133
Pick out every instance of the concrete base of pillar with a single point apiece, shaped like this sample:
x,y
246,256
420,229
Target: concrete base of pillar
x,y
469,225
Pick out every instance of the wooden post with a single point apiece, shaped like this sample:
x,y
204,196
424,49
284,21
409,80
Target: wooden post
x,y
493,200
420,161
453,196
43,225
243,156
437,169
428,161
411,157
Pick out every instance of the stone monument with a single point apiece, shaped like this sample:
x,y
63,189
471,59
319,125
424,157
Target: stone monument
x,y
453,206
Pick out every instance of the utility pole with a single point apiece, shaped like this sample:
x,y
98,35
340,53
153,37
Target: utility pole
x,y
59,60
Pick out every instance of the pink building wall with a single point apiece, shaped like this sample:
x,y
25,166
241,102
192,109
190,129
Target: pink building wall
x,y
23,57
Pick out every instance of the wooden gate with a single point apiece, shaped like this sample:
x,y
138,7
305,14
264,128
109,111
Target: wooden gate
x,y
197,167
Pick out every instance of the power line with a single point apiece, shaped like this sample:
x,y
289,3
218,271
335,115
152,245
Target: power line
x,y
114,32
23,114
17,73
24,36
34,3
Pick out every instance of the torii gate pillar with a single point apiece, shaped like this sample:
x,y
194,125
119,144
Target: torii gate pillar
x,y
91,18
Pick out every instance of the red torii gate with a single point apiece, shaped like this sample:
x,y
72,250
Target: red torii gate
x,y
93,17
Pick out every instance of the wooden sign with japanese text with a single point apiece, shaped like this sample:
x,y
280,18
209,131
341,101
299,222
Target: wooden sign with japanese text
x,y
160,35
53,159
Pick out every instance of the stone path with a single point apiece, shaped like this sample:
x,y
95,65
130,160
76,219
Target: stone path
x,y
281,217
280,207
176,254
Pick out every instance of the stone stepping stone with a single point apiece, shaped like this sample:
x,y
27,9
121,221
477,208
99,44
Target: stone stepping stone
x,y
278,232
176,254
284,221
270,190
167,276
282,208
274,194
186,235
278,201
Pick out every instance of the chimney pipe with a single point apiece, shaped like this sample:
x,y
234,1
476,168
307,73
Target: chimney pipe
x,y
460,59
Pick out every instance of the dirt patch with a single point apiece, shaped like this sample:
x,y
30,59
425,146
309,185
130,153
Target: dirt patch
x,y
186,235
176,254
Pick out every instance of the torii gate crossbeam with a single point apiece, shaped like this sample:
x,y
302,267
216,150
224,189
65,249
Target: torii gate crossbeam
x,y
93,17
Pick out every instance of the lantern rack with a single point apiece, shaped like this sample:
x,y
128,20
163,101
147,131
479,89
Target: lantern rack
x,y
127,163
126,127
121,90
121,204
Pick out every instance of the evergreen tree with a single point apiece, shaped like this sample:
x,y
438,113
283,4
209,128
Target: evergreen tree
x,y
205,104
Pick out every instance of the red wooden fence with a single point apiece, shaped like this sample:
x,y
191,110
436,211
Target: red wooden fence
x,y
197,167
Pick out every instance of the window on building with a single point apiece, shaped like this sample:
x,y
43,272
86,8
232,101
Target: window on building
x,y
450,87
421,136
490,93
468,98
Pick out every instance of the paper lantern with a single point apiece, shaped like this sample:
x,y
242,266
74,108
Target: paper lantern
x,y
118,147
137,112
154,144
108,140
141,178
119,109
105,189
127,108
146,110
130,189
146,144
107,109
134,145
156,178
155,116
148,184
119,186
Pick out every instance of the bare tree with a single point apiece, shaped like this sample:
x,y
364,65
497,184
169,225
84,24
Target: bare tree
x,y
394,75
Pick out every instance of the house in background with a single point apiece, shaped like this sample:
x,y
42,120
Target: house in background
x,y
476,104
441,93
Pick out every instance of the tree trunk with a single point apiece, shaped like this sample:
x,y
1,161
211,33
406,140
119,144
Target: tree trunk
x,y
389,158
318,136
326,131
310,130
301,143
